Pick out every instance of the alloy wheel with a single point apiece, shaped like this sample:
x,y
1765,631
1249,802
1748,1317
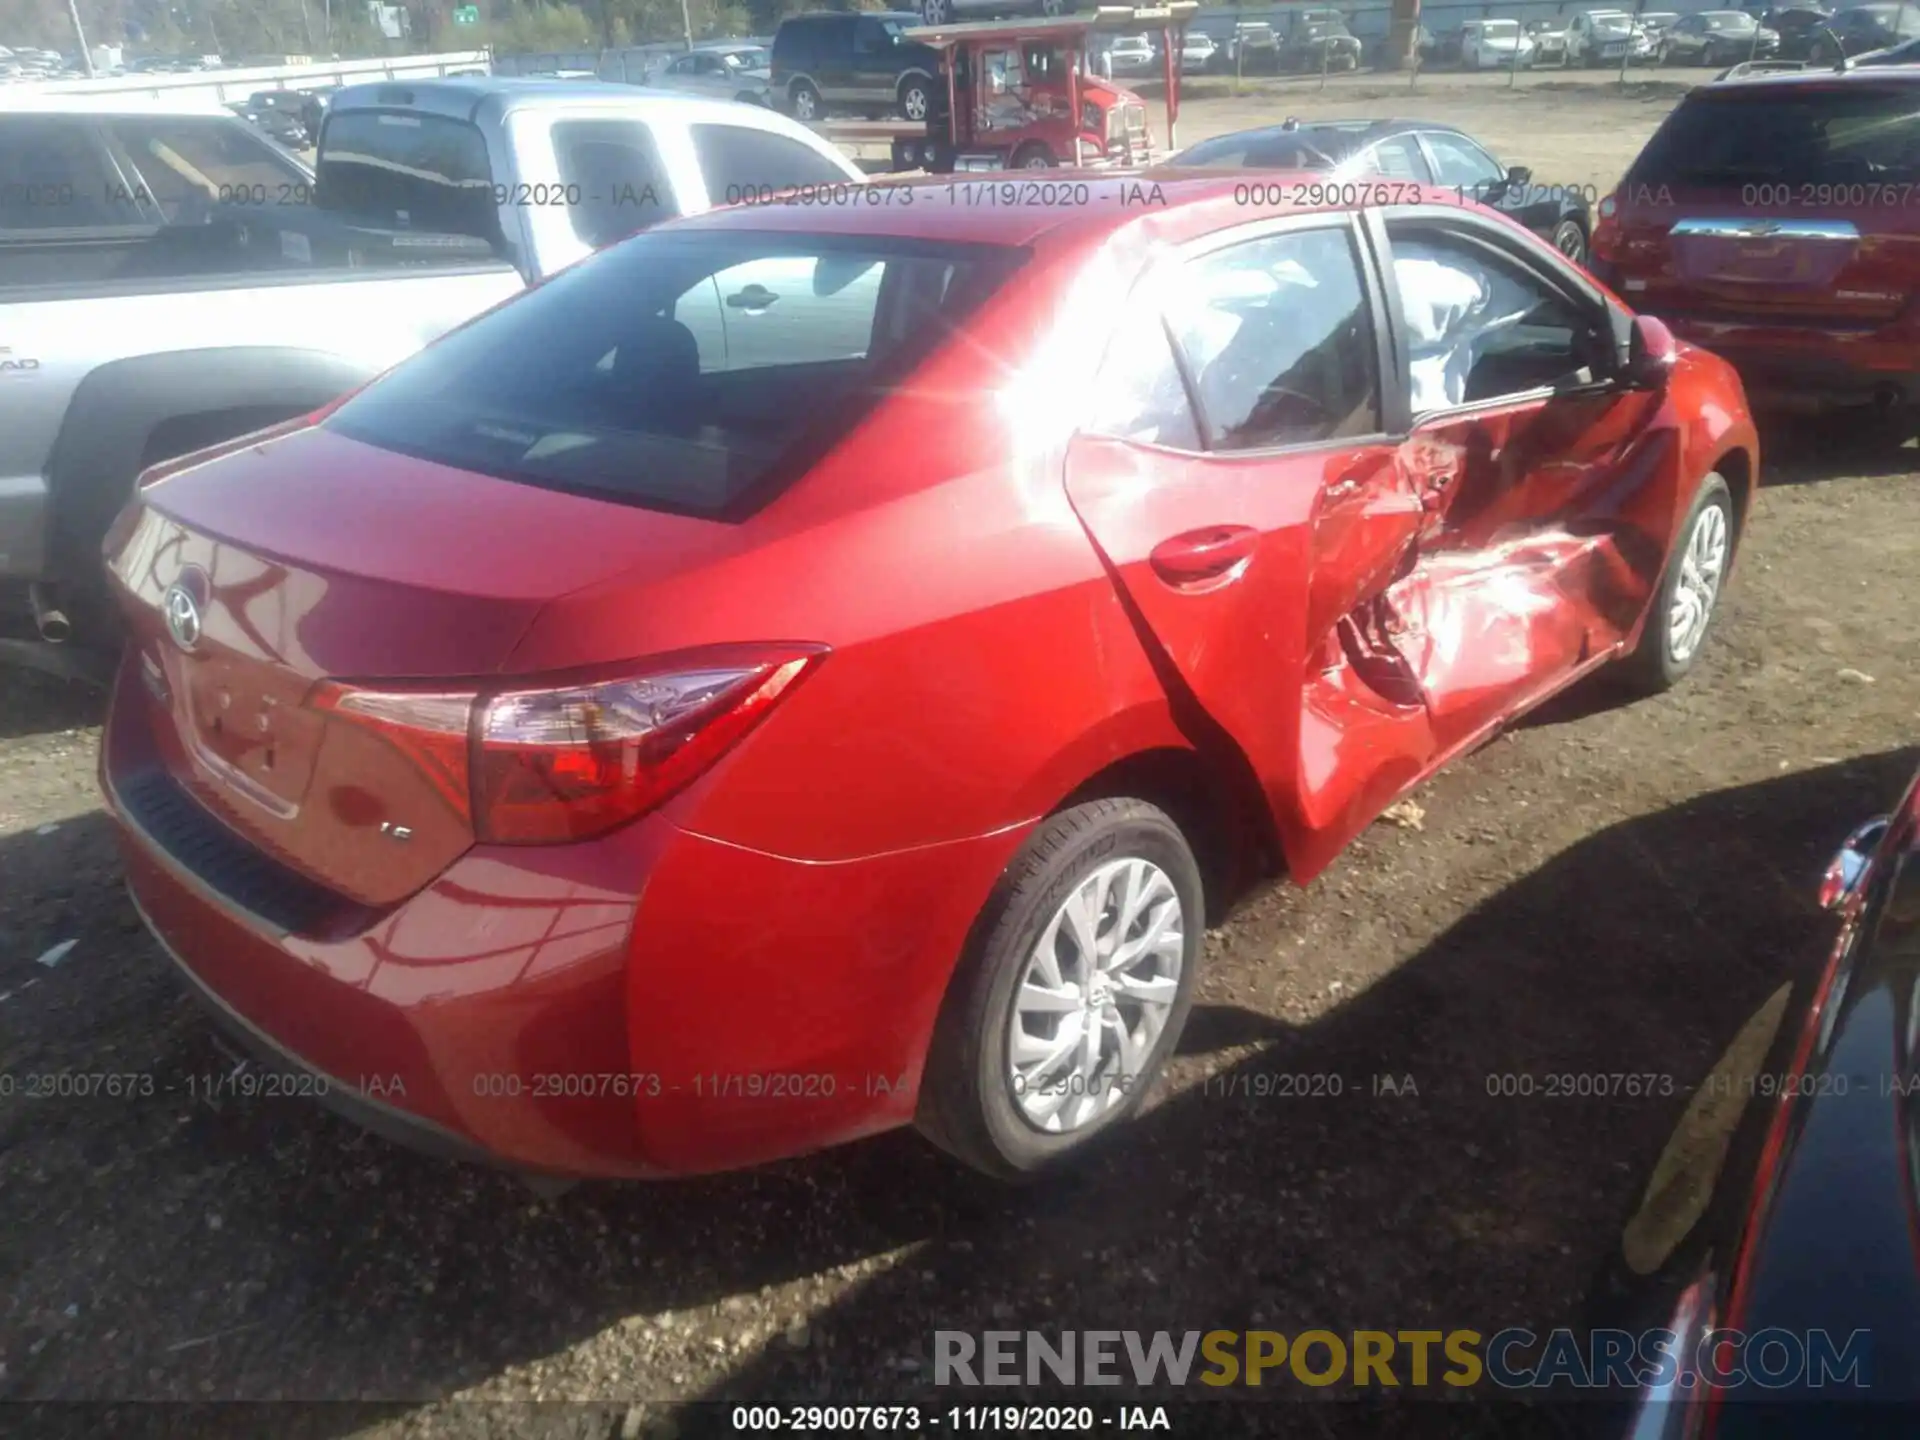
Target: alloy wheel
x,y
1094,996
1703,565
914,103
934,12
805,106
1571,241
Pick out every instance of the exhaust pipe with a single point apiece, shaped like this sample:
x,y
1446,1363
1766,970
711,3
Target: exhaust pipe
x,y
48,619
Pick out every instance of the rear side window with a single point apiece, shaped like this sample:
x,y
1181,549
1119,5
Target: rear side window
x,y
54,176
1278,339
623,186
1139,395
688,372
408,172
186,161
743,164
1787,136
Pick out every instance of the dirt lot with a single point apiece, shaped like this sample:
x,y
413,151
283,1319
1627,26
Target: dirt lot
x,y
1602,890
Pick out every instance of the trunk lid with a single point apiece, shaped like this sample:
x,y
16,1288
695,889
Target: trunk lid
x,y
1787,203
249,580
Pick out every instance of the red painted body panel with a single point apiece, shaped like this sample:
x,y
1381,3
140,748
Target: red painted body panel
x,y
755,967
1811,321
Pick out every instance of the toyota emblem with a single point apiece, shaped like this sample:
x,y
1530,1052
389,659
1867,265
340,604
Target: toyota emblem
x,y
183,616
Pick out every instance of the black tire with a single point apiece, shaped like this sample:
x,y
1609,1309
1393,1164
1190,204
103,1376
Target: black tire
x,y
915,98
1571,240
1652,667
967,1104
1033,156
804,102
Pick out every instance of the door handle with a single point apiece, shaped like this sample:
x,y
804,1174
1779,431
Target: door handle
x,y
1201,555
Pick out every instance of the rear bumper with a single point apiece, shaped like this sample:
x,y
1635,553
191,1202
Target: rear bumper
x,y
1811,370
655,1002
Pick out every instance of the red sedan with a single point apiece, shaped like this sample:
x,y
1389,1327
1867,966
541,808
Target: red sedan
x,y
808,670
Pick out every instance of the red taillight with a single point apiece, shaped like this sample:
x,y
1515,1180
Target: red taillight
x,y
567,762
1604,243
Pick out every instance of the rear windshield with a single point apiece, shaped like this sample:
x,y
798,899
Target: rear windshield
x,y
1787,134
406,171
683,372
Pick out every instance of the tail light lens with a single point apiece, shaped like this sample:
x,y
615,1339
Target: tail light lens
x,y
1604,243
549,765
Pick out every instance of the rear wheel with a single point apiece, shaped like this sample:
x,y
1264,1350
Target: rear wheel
x,y
916,98
1820,52
1571,241
1072,994
1034,156
806,102
1688,598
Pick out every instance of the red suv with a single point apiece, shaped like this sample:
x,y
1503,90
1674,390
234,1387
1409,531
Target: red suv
x,y
1776,221
809,670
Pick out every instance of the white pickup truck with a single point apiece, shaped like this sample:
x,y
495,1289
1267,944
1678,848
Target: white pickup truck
x,y
170,279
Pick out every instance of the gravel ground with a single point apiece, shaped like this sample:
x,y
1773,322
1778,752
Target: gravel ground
x,y
1603,889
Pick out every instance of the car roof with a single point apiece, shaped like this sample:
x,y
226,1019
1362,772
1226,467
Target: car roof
x,y
1113,202
24,100
1816,79
1358,131
462,99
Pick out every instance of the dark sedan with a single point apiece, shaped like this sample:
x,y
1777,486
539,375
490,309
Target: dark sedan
x,y
1798,26
1407,150
1718,37
1779,1236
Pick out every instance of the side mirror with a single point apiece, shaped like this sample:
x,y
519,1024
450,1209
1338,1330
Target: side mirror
x,y
1651,354
1849,867
1519,176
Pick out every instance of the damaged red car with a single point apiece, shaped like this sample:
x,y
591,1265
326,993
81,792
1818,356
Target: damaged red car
x,y
808,671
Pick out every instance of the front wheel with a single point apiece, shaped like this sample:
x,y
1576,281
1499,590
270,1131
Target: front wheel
x,y
1688,597
1072,994
806,102
1034,157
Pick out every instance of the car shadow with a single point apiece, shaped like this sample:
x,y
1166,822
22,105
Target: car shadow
x,y
1809,450
35,704
159,1247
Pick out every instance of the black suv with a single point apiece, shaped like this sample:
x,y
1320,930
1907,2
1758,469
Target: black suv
x,y
859,64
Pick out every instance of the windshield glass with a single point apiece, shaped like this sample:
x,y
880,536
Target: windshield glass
x,y
1611,22
1800,137
680,372
1725,22
1500,29
745,59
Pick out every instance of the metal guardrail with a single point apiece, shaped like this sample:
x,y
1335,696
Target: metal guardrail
x,y
226,86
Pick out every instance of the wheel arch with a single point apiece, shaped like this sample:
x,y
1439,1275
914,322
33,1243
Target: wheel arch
x,y
1736,467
